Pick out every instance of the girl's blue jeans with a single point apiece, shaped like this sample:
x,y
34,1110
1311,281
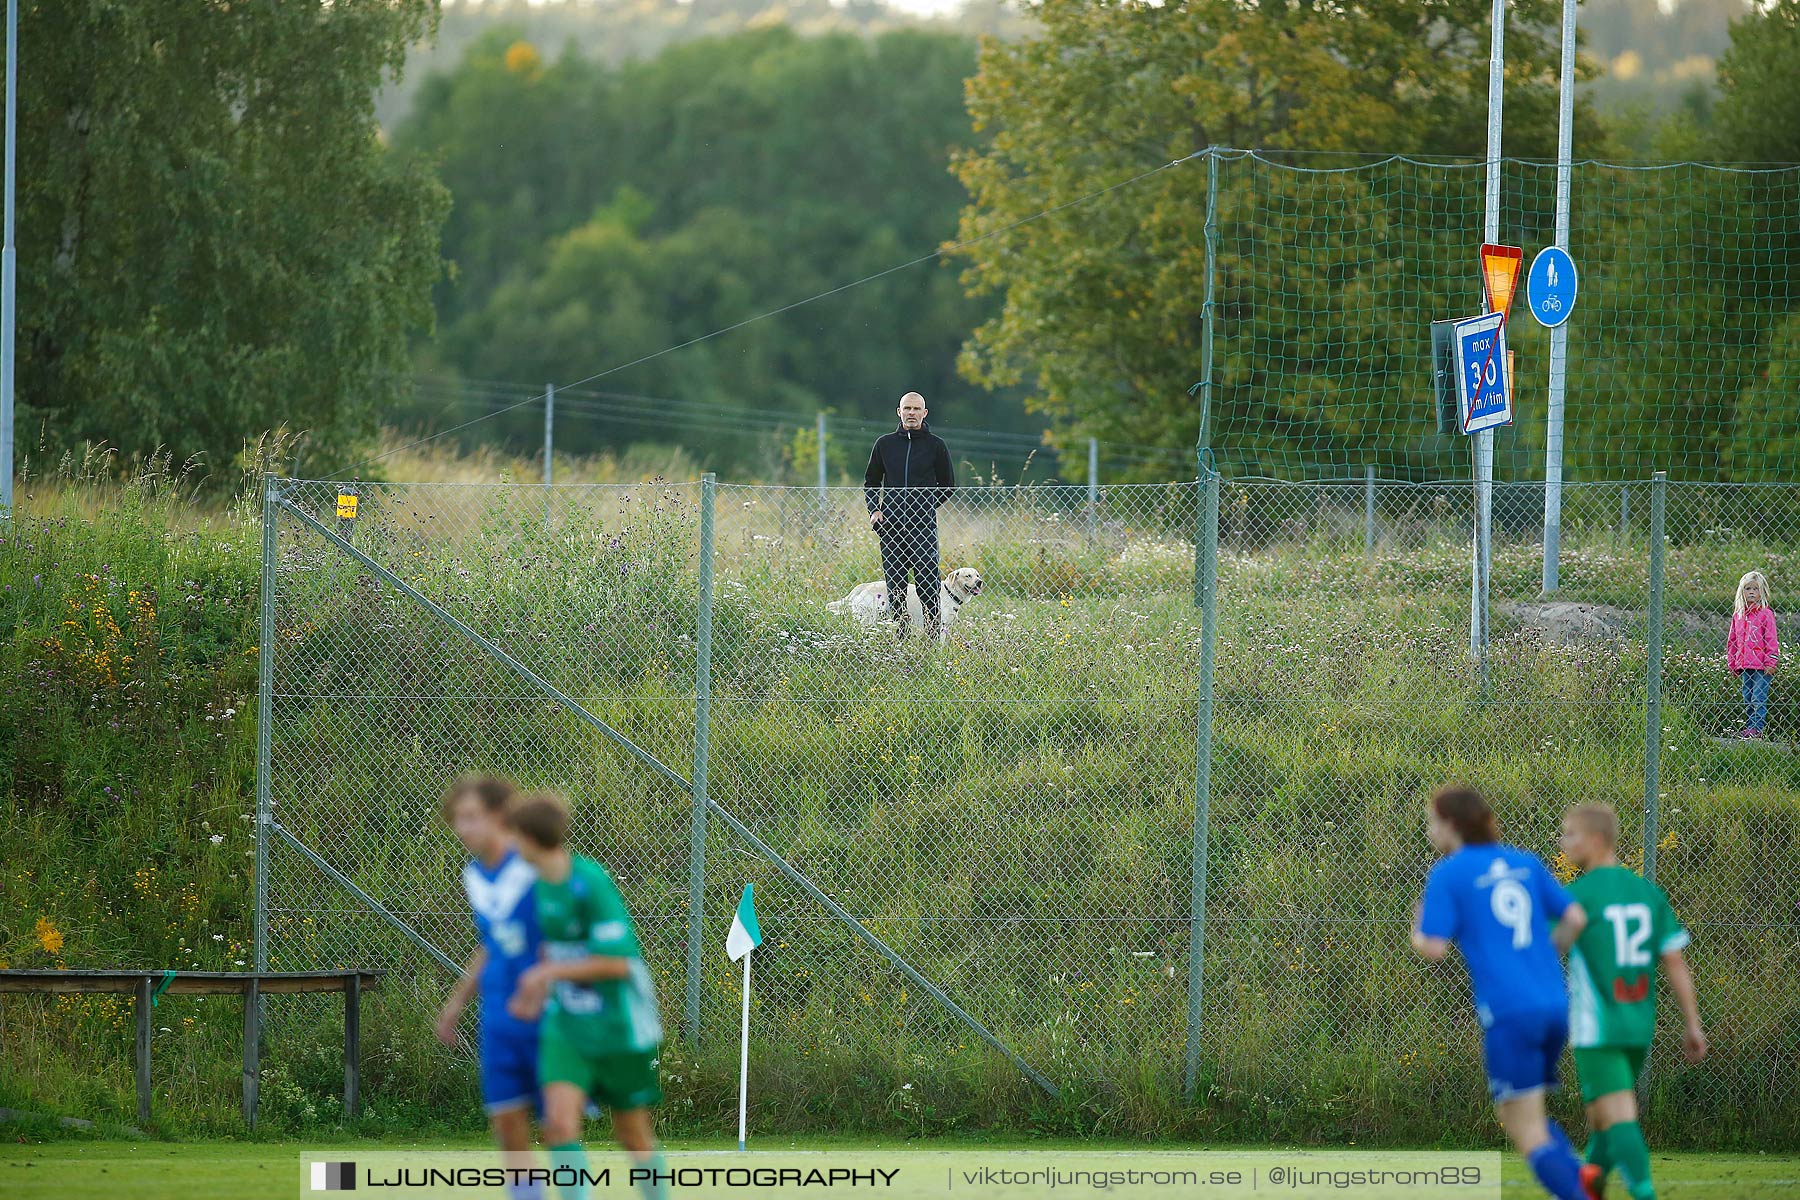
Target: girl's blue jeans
x,y
1756,697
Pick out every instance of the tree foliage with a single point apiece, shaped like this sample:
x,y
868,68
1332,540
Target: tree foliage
x,y
1102,317
212,240
607,213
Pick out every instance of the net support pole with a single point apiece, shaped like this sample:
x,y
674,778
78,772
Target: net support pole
x,y
821,440
265,703
1369,511
1203,389
1208,574
1484,441
702,731
1559,336
1093,492
1653,675
549,446
9,262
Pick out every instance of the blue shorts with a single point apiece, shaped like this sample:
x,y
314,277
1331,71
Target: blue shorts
x,y
1521,1050
509,1061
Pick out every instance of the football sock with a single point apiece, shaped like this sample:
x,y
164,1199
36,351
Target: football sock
x,y
653,1189
1600,1151
1556,1167
1633,1158
570,1161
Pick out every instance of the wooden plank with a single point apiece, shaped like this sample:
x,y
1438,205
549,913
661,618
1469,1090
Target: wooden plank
x,y
141,1056
252,1051
191,983
352,1044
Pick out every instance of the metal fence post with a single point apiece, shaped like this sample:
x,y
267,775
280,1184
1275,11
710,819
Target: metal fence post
x,y
1208,576
549,447
702,717
1624,511
265,703
1369,511
1093,497
1653,673
821,440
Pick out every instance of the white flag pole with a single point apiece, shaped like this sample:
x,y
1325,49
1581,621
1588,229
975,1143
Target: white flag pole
x,y
744,1056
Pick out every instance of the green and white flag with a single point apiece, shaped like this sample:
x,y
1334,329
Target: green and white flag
x,y
745,936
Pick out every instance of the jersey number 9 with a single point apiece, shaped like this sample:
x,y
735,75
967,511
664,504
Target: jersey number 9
x,y
1512,908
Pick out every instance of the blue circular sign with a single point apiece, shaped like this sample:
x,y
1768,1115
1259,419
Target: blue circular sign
x,y
1550,286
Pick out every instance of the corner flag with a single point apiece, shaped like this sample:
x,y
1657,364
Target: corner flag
x,y
745,935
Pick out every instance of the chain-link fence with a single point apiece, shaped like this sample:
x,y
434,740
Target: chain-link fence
x,y
975,858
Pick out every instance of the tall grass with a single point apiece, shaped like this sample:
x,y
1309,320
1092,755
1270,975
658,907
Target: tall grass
x,y
1012,813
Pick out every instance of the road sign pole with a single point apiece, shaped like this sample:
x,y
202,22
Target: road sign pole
x,y
1484,441
8,267
1559,334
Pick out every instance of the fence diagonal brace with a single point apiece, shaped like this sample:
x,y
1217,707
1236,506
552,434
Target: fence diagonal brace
x,y
375,906
882,948
487,647
581,713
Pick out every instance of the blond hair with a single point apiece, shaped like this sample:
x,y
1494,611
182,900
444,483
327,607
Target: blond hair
x,y
1601,820
1762,590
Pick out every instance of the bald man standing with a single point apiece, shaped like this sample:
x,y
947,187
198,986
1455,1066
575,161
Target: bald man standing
x,y
909,475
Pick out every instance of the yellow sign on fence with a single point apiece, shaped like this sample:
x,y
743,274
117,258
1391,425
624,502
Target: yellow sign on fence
x,y
346,506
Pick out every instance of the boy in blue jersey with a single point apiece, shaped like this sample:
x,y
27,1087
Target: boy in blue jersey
x,y
499,883
1497,902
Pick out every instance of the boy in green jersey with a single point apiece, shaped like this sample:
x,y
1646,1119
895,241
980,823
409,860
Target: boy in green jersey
x,y
1612,994
600,1032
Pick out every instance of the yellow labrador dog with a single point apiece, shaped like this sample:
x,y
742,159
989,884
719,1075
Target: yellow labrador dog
x,y
868,602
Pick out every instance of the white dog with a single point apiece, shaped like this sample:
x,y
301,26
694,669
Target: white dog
x,y
868,602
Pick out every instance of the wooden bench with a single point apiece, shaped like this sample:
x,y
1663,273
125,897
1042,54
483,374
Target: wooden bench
x,y
144,986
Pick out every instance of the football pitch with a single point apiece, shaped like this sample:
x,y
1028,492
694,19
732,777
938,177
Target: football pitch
x,y
248,1171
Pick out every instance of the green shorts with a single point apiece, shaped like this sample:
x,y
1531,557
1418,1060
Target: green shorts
x,y
616,1081
1604,1070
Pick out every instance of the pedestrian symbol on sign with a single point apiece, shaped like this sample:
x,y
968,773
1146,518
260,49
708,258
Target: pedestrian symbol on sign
x,y
1550,286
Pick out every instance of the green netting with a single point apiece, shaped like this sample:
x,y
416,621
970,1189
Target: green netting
x,y
1683,350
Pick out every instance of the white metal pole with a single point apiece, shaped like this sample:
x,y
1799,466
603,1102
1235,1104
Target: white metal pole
x,y
1484,441
1559,336
549,430
821,440
8,266
1093,485
744,1056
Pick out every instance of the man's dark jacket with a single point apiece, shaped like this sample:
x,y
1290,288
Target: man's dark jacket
x,y
913,466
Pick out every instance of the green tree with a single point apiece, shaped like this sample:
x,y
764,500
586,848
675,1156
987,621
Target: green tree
x,y
1102,313
212,240
607,213
1758,115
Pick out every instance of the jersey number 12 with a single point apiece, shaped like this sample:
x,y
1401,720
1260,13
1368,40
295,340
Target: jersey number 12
x,y
1631,929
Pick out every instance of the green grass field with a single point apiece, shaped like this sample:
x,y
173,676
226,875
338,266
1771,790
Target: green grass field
x,y
249,1171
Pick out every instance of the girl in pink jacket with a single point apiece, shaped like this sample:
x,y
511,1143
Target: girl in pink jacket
x,y
1752,649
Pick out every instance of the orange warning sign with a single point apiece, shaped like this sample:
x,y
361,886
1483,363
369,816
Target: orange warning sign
x,y
1500,275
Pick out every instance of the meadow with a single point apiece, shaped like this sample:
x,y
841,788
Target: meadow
x,y
1013,812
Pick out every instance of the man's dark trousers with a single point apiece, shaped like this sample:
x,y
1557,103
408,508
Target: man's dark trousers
x,y
911,549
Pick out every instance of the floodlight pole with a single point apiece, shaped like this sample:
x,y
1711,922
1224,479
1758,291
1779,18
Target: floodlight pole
x,y
1559,334
1484,441
8,267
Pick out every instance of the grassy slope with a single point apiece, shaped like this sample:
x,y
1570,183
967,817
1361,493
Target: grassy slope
x,y
1341,698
